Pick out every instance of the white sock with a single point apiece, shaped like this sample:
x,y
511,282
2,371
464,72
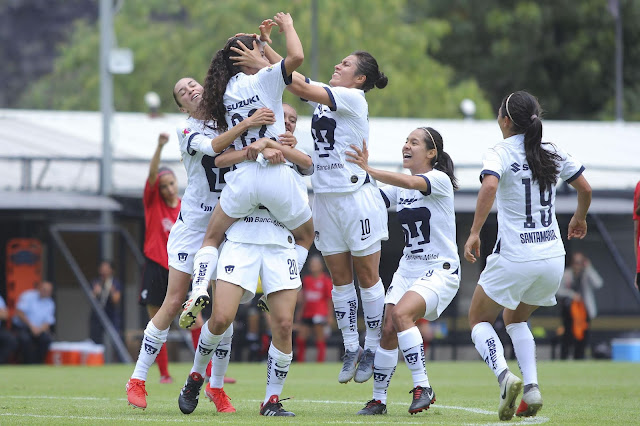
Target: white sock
x,y
412,346
373,307
525,349
384,365
277,368
221,359
152,342
204,264
301,254
489,347
345,305
206,345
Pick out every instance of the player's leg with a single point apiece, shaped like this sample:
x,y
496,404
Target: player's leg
x,y
415,304
302,335
282,306
227,297
163,357
155,335
482,314
345,305
366,264
385,362
321,342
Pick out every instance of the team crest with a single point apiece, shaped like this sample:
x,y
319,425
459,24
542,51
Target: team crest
x,y
204,351
229,268
379,377
221,353
182,257
280,374
340,314
412,358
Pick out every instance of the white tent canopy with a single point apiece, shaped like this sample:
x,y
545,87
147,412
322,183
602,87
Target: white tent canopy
x,y
609,150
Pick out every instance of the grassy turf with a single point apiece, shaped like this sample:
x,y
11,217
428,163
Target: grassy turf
x,y
467,393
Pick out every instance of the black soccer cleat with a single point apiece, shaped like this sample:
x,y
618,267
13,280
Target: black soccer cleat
x,y
373,407
273,407
188,399
422,399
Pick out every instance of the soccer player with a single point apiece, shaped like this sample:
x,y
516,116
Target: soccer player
x,y
428,275
315,305
243,259
526,266
200,143
232,94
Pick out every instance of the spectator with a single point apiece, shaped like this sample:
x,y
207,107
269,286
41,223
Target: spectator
x,y
108,292
636,231
578,304
8,341
315,302
35,314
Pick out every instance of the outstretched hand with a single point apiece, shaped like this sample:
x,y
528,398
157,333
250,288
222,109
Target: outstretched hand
x,y
283,20
360,156
163,138
251,58
265,30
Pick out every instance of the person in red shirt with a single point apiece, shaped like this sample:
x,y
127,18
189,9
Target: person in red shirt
x,y
636,231
161,209
315,302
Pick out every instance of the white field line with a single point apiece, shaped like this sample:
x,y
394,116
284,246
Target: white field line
x,y
528,421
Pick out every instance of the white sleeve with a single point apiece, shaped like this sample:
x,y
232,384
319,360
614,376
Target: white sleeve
x,y
272,80
438,184
389,195
192,140
347,101
570,168
492,164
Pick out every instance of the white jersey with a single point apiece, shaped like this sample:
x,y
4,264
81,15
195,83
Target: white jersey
x,y
334,130
204,180
429,225
527,225
246,93
260,227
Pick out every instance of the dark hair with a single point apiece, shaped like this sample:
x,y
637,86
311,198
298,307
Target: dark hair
x,y
368,66
524,111
163,170
221,69
175,98
442,161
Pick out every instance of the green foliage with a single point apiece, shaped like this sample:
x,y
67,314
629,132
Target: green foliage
x,y
172,39
560,50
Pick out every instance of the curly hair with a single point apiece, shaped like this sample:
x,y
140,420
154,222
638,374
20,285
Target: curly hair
x,y
220,71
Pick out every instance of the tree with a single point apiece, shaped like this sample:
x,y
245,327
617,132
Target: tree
x,y
560,50
171,39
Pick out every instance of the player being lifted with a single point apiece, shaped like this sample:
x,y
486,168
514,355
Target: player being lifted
x,y
231,95
428,275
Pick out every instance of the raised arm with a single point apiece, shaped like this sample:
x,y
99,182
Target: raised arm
x,y
578,223
295,54
361,158
163,138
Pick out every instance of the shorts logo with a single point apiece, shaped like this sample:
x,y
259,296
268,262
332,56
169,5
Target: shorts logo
x,y
515,167
150,349
144,294
182,257
206,208
229,268
221,353
340,314
428,274
354,179
412,358
389,289
204,351
289,239
317,235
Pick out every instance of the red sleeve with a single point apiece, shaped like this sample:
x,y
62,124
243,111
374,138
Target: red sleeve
x,y
150,193
635,202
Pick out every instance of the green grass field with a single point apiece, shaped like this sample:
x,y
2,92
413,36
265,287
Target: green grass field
x,y
467,393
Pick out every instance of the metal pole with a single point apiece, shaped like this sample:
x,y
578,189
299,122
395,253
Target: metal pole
x,y
619,63
314,40
106,107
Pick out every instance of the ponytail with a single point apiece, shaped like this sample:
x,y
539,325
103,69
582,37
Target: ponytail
x,y
523,110
445,165
368,66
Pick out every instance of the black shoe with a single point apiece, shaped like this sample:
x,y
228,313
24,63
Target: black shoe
x,y
422,399
373,407
188,399
273,407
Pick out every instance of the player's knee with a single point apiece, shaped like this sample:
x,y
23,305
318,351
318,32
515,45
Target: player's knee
x,y
282,326
219,322
402,318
